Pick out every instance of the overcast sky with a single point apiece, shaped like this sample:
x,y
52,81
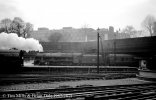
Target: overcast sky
x,y
55,14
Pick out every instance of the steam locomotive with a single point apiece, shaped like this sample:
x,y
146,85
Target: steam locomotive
x,y
79,59
11,60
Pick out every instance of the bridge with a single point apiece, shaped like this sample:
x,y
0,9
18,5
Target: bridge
x,y
140,46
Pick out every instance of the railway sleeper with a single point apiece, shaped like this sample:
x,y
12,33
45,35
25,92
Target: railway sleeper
x,y
112,96
137,96
118,95
103,95
149,97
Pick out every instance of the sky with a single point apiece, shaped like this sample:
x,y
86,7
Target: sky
x,y
55,14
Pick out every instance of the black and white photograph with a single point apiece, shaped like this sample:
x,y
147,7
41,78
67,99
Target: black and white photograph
x,y
77,49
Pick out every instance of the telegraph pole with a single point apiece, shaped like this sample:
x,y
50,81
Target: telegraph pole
x,y
98,50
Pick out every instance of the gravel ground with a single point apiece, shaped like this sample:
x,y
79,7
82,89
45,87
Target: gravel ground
x,y
50,85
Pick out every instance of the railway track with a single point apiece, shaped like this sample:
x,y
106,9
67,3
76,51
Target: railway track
x,y
25,79
119,92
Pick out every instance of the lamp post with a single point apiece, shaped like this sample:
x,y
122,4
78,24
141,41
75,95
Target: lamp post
x,y
115,48
98,50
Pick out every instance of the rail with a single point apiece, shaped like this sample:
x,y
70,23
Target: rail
x,y
118,92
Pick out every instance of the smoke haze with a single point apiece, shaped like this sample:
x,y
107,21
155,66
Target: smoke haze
x,y
9,41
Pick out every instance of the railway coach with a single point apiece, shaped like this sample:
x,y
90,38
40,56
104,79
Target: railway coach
x,y
57,59
80,59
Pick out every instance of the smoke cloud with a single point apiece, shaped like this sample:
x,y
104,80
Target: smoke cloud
x,y
11,40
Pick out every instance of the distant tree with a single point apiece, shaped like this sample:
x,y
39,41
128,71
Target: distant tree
x,y
27,29
5,25
130,30
55,37
17,25
148,23
1,30
154,29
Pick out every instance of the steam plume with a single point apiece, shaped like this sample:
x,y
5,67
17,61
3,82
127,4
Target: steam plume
x,y
11,40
